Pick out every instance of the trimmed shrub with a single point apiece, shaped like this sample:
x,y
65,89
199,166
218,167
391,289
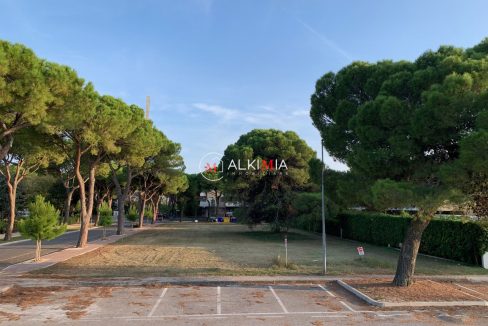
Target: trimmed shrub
x,y
448,238
307,208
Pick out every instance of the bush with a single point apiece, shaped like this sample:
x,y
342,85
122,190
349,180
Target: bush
x,y
3,225
105,217
132,215
73,219
307,208
452,239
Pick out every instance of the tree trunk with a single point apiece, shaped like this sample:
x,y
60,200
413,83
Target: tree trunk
x,y
121,212
408,253
12,184
97,216
67,204
87,216
155,207
12,196
100,200
5,146
121,197
142,207
82,239
38,250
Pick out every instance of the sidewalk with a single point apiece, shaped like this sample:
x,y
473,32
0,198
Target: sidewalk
x,y
60,256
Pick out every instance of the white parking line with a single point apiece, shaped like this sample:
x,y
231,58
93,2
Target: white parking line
x,y
392,315
244,314
219,301
157,302
466,288
330,316
325,289
279,300
347,306
461,291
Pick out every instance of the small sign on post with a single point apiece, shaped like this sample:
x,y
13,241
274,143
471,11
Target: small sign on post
x,y
360,251
286,251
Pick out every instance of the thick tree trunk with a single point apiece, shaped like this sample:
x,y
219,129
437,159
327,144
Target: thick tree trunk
x,y
87,216
121,197
408,253
12,194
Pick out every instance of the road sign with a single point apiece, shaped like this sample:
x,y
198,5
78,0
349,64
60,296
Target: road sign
x,y
360,251
286,251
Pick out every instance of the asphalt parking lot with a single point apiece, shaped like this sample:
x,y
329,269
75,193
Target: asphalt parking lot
x,y
242,304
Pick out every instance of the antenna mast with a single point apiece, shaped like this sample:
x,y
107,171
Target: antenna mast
x,y
148,105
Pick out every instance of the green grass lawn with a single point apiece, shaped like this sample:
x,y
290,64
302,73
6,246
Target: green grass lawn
x,y
191,249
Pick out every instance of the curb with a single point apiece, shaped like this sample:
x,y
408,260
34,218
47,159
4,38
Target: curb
x,y
360,294
383,304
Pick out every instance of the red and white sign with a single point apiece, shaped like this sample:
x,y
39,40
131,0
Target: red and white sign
x,y
360,251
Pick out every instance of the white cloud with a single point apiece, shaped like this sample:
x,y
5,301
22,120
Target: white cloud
x,y
298,113
220,111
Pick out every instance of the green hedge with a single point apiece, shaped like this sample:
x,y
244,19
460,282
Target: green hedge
x,y
453,239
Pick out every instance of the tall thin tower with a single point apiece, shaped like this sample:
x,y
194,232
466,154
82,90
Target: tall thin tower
x,y
148,105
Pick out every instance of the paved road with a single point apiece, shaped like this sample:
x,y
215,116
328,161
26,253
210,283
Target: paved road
x,y
238,305
17,252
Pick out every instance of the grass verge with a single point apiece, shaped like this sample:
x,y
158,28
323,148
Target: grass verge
x,y
189,249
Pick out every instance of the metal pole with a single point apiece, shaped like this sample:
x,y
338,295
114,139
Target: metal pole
x,y
324,243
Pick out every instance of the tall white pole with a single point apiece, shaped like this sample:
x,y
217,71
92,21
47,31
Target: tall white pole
x,y
148,106
324,243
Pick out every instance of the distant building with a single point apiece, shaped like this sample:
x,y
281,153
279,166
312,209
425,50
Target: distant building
x,y
208,203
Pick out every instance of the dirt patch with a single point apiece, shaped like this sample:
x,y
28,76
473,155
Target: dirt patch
x,y
421,290
25,297
8,316
258,294
77,304
75,314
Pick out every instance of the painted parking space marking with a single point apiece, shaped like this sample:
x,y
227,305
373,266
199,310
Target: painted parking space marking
x,y
348,307
219,301
248,299
469,289
470,295
156,305
326,290
278,300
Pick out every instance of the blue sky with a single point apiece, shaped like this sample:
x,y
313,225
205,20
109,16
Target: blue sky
x,y
216,69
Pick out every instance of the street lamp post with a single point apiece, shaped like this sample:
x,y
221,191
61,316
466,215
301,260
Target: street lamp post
x,y
324,244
